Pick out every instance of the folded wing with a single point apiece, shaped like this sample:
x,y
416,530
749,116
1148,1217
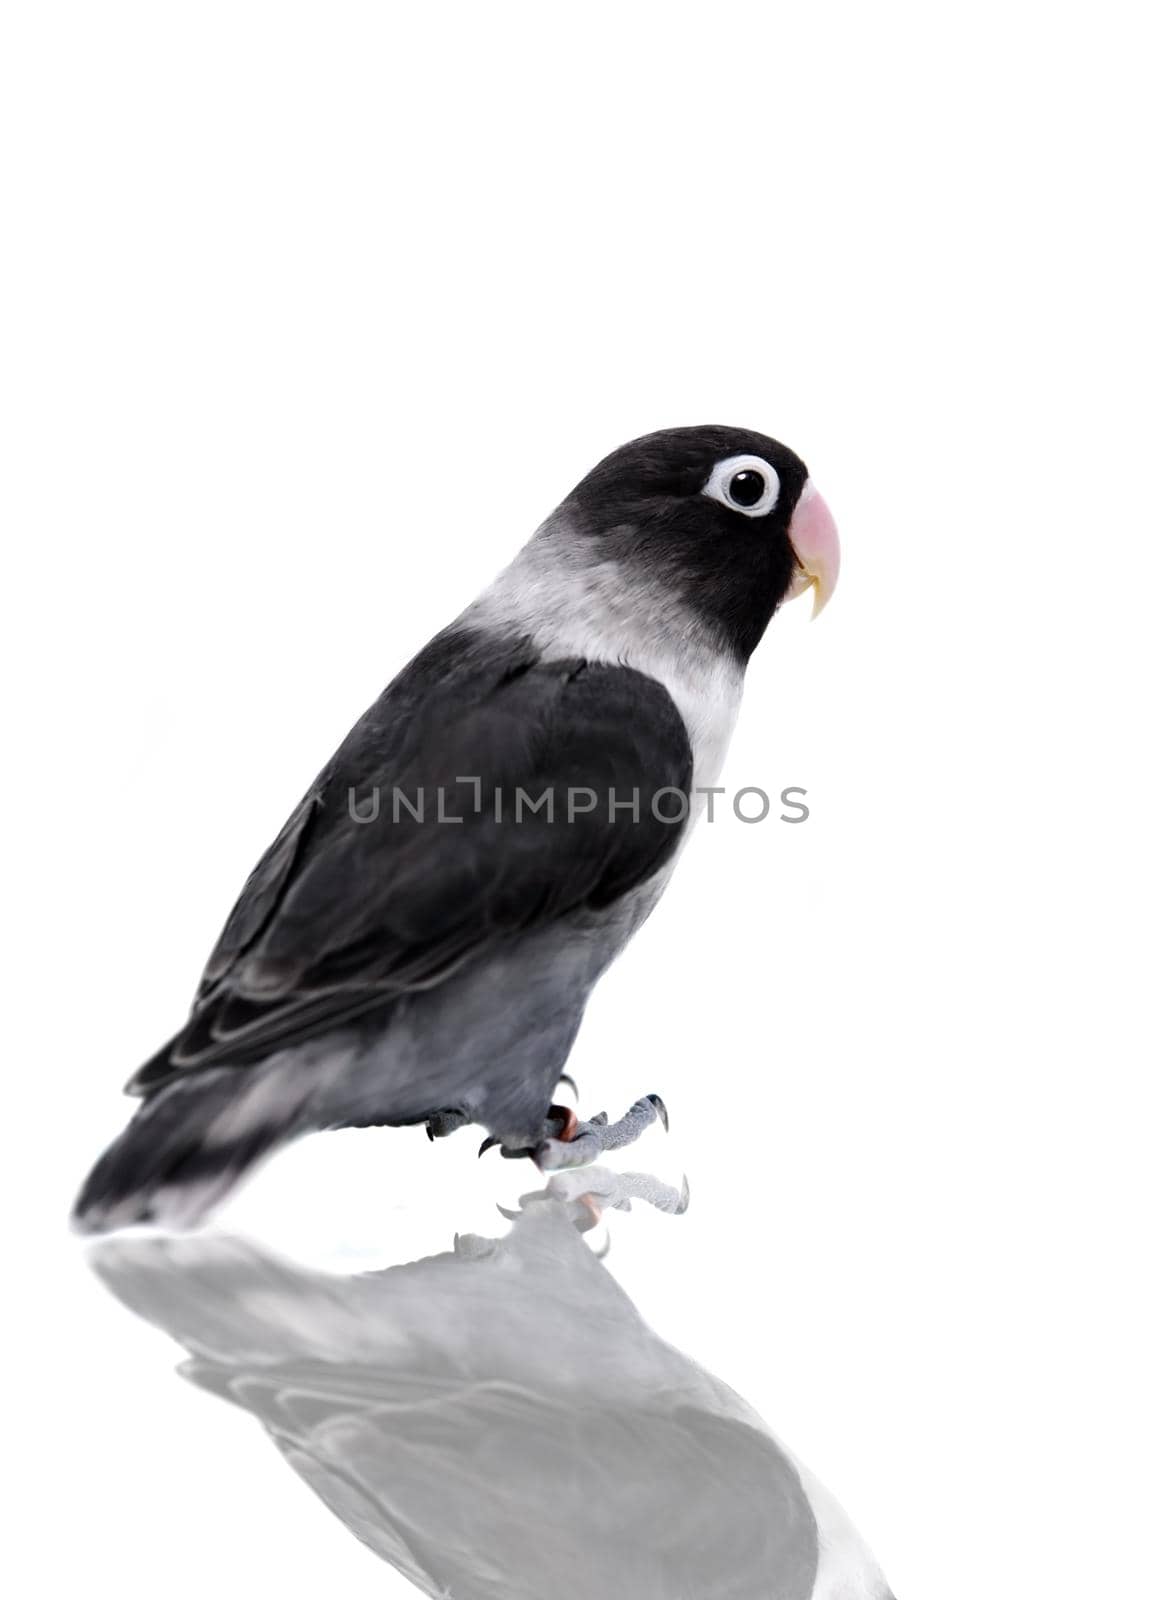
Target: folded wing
x,y
487,793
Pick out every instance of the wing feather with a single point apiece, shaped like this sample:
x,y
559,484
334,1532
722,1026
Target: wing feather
x,y
343,914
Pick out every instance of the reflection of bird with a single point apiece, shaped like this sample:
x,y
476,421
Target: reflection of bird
x,y
499,1421
419,942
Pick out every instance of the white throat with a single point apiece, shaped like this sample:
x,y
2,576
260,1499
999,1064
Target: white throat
x,y
598,610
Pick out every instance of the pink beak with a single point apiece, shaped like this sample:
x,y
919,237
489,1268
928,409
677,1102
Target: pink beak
x,y
814,540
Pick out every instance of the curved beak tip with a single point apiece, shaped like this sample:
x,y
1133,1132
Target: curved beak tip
x,y
822,592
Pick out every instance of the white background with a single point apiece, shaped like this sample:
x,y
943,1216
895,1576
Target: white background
x,y
310,314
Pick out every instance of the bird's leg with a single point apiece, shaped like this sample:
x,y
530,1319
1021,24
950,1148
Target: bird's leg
x,y
561,1120
587,1193
581,1142
446,1121
599,1189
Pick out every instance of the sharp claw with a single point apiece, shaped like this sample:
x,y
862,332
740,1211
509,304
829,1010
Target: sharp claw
x,y
683,1198
427,1129
569,1081
663,1117
605,1251
506,1211
488,1143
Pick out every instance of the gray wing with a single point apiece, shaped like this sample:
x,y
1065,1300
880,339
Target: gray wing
x,y
343,915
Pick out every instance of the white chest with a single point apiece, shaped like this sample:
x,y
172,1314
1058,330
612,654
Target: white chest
x,y
708,696
707,692
603,615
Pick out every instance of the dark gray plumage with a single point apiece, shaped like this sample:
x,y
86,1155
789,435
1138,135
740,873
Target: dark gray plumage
x,y
434,967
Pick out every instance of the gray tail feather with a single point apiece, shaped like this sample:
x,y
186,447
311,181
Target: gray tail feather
x,y
185,1148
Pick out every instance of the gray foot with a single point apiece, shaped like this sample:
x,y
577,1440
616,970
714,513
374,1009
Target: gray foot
x,y
589,1192
445,1122
586,1141
606,1190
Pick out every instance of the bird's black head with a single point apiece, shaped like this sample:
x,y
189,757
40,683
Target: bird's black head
x,y
726,516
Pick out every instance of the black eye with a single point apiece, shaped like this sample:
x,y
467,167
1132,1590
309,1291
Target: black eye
x,y
747,487
746,484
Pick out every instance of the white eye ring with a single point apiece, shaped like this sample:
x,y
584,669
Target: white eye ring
x,y
720,482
